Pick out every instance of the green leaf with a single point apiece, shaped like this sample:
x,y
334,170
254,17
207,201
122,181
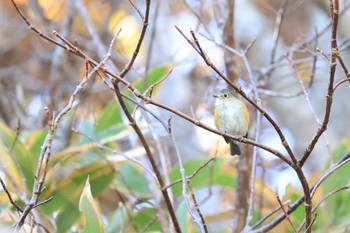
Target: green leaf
x,y
339,203
37,139
110,116
113,133
153,76
119,219
182,217
143,220
24,157
66,192
93,219
146,220
133,179
86,146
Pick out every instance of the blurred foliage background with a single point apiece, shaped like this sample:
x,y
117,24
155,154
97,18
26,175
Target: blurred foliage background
x,y
98,173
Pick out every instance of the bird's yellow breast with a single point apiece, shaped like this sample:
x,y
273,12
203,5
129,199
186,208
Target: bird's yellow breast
x,y
231,116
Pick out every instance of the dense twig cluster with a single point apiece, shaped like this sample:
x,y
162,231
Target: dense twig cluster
x,y
116,81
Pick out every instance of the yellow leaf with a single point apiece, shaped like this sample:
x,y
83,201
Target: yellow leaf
x,y
95,11
11,171
53,10
130,31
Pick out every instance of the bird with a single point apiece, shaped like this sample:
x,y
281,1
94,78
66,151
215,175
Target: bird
x,y
231,116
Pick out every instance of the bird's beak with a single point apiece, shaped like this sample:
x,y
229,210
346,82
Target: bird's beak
x,y
215,96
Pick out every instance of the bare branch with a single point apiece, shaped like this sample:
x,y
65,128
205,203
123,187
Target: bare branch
x,y
256,137
198,220
334,6
340,82
13,202
276,32
308,100
346,187
286,214
196,206
45,154
266,217
139,43
193,174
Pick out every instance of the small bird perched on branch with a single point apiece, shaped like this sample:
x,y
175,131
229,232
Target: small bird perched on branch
x,y
231,116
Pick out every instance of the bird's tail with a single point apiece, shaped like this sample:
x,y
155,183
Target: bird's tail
x,y
234,148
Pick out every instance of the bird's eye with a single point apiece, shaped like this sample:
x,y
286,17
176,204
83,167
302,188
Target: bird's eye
x,y
225,95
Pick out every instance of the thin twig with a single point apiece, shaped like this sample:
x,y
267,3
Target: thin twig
x,y
286,214
334,5
56,56
325,175
279,94
223,46
314,61
340,82
31,27
267,216
342,63
198,220
18,131
276,32
164,158
13,202
255,149
115,152
193,174
150,157
346,187
319,34
151,42
134,124
43,202
139,105
150,88
137,9
196,206
306,96
149,224
96,40
139,43
210,181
